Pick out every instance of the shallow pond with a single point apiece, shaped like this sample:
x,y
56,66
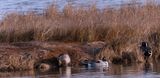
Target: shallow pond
x,y
150,70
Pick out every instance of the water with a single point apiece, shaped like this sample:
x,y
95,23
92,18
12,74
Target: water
x,y
8,6
149,70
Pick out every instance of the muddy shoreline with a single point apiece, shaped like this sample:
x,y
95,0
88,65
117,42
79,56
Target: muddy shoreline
x,y
25,55
20,56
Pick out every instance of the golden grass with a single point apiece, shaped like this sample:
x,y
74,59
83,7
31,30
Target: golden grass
x,y
115,26
128,24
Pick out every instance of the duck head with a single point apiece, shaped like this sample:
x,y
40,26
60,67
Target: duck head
x,y
144,44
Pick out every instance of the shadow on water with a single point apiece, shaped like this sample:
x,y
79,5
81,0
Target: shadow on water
x,y
148,70
61,72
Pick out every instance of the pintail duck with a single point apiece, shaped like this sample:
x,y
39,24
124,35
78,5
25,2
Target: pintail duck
x,y
97,63
102,62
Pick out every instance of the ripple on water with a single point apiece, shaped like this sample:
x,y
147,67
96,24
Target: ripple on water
x,y
114,71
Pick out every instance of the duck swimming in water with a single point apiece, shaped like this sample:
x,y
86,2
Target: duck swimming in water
x,y
98,63
102,62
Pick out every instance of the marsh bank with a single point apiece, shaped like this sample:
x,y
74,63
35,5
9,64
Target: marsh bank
x,y
26,55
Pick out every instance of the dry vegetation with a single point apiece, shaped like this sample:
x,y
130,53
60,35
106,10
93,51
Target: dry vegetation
x,y
119,28
29,55
130,23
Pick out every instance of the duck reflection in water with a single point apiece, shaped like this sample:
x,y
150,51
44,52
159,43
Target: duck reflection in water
x,y
65,72
148,66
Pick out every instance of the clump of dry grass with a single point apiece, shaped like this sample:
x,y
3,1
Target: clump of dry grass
x,y
128,54
16,61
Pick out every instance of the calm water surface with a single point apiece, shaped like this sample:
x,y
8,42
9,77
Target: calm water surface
x,y
151,70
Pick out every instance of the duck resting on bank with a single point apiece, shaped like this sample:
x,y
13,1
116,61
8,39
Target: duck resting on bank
x,y
147,52
64,60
